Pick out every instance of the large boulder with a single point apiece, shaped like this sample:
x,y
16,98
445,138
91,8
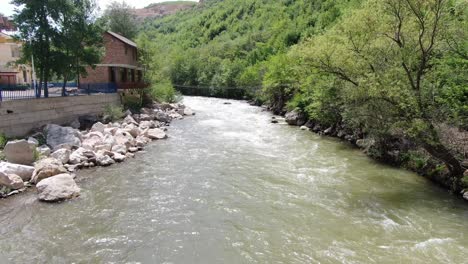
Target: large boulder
x,y
98,127
129,120
295,118
119,157
20,152
188,111
58,188
156,133
25,172
122,137
104,160
122,149
12,181
162,117
63,155
81,155
46,168
58,136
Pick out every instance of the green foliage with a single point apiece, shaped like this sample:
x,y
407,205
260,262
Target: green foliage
x,y
230,43
115,112
3,140
119,18
163,92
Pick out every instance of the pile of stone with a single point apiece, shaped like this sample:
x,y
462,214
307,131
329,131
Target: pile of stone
x,y
51,166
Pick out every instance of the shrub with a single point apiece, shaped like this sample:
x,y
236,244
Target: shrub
x,y
3,140
114,112
163,92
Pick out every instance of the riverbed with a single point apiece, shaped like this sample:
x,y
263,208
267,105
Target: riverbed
x,y
229,186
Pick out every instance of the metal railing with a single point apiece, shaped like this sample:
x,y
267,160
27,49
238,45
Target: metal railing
x,y
91,88
17,92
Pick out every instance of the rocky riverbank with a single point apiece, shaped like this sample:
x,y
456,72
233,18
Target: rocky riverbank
x,y
393,152
50,166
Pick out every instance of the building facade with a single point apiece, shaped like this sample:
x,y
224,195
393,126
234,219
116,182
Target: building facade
x,y
119,65
12,74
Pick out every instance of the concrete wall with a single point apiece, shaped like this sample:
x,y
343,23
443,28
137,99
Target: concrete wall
x,y
19,117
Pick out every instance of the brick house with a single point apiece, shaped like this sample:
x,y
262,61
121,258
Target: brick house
x,y
119,66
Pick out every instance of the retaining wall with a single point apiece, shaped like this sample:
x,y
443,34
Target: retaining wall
x,y
19,117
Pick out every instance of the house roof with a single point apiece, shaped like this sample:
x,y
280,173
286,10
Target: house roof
x,y
123,39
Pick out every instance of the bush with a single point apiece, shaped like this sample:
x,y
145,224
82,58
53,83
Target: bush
x,y
3,140
114,112
163,92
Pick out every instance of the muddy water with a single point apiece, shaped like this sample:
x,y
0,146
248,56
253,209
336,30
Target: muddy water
x,y
229,187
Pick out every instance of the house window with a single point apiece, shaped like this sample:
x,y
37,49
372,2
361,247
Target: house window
x,y
112,74
140,76
25,76
15,52
123,74
133,75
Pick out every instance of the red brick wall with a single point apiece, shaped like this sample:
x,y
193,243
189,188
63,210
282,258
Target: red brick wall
x,y
98,75
115,52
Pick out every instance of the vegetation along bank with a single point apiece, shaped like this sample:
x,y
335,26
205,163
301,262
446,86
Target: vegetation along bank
x,y
388,75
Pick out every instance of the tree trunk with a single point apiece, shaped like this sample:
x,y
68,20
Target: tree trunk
x,y
441,153
64,87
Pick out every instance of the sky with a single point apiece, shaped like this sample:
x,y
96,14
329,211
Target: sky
x,y
7,9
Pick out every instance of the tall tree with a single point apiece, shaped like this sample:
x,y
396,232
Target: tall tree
x,y
61,35
120,19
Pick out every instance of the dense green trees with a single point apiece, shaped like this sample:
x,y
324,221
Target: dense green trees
x,y
118,17
386,59
385,68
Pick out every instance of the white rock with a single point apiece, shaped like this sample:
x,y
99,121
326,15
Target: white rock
x,y
57,188
119,157
25,172
33,141
129,120
63,155
156,133
188,111
304,128
122,149
46,168
122,137
11,181
20,152
104,160
147,124
43,150
145,117
98,127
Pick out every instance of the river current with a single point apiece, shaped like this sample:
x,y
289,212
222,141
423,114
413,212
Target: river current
x,y
230,187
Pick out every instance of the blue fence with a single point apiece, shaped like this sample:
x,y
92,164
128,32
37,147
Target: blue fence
x,y
90,88
16,92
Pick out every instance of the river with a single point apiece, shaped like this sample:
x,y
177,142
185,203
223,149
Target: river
x,y
230,187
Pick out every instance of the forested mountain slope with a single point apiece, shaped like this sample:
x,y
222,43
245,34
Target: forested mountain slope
x,y
391,73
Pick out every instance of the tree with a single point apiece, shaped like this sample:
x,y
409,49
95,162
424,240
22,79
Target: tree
x,y
120,19
62,35
383,57
79,40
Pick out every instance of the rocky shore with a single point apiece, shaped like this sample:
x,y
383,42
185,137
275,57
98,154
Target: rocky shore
x,y
49,158
390,152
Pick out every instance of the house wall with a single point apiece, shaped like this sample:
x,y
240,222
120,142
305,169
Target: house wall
x,y
115,52
10,51
98,75
19,117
